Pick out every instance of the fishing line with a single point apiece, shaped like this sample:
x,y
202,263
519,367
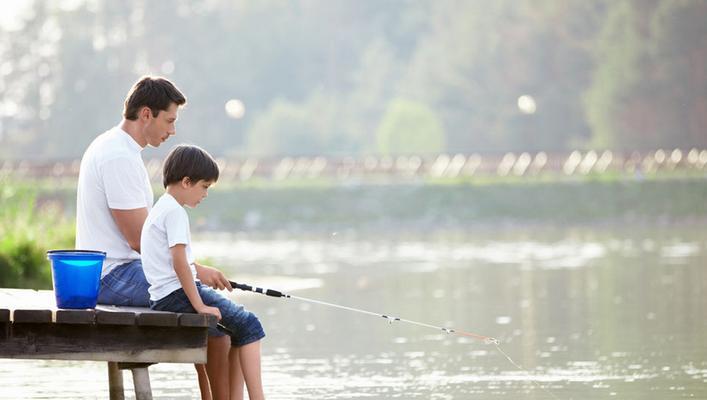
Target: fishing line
x,y
527,373
391,319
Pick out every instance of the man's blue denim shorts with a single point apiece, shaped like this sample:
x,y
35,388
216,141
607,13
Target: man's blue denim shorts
x,y
125,285
243,324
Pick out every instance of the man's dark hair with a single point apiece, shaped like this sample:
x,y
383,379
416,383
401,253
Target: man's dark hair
x,y
191,162
154,92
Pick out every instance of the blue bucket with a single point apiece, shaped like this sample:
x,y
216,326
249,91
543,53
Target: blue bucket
x,y
76,275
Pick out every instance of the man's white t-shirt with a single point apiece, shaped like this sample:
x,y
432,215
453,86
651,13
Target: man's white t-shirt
x,y
112,176
166,226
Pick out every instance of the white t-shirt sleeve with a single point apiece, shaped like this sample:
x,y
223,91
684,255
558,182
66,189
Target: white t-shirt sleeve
x,y
124,182
176,223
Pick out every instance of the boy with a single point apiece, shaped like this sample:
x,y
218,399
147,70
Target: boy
x,y
169,267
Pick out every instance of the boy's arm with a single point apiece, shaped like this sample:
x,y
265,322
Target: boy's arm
x,y
181,267
212,277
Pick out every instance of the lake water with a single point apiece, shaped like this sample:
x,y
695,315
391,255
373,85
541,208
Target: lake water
x,y
588,313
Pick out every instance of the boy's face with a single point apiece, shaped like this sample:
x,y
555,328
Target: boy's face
x,y
196,191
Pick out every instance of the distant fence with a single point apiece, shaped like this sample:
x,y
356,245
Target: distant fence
x,y
576,163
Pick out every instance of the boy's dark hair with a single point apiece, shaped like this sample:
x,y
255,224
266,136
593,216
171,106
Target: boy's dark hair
x,y
154,92
191,162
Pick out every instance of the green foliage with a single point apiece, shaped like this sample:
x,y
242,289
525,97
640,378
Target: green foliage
x,y
318,76
619,50
298,129
478,58
649,83
28,228
410,128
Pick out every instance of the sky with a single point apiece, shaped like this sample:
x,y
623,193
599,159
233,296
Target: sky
x,y
11,12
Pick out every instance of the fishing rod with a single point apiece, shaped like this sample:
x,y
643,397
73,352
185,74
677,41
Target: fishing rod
x,y
390,319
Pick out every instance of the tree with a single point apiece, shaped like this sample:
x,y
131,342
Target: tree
x,y
477,58
309,128
409,127
649,89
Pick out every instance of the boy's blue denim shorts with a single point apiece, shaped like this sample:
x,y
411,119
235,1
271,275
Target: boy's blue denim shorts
x,y
244,324
125,285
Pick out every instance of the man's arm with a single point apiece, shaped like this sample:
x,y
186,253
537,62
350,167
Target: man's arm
x,y
130,224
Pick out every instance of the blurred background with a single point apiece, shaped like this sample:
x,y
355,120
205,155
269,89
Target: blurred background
x,y
534,171
361,77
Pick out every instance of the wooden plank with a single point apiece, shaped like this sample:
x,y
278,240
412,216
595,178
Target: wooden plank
x,y
115,318
134,310
4,324
32,316
75,316
105,342
143,315
158,319
180,355
197,320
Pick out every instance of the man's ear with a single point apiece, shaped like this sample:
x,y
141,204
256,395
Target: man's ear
x,y
145,113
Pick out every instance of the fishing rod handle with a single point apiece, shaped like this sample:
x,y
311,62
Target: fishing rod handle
x,y
248,288
222,328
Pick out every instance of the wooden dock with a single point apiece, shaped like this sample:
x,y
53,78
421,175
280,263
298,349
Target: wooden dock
x,y
31,327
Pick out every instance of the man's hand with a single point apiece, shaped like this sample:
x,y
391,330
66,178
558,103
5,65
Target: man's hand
x,y
212,277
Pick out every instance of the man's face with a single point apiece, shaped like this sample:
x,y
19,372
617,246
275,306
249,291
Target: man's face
x,y
158,129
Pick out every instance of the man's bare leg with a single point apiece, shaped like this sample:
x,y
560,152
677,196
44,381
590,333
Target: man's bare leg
x,y
203,381
217,366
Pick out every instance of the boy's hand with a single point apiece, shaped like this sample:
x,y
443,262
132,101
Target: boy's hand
x,y
212,277
210,310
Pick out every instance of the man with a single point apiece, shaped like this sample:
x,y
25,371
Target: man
x,y
114,196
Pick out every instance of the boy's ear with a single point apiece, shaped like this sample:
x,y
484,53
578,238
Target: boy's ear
x,y
186,182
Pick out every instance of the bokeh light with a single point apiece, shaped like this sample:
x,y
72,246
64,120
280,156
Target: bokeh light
x,y
526,104
235,109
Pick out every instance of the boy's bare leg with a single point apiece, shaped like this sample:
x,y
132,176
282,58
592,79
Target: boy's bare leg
x,y
250,365
217,366
203,381
236,374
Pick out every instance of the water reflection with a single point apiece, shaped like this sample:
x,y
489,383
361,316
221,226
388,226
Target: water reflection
x,y
591,314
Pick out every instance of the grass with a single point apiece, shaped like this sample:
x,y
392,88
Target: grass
x,y
29,226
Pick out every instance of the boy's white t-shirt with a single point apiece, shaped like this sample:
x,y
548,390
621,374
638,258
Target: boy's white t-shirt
x,y
166,226
112,176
